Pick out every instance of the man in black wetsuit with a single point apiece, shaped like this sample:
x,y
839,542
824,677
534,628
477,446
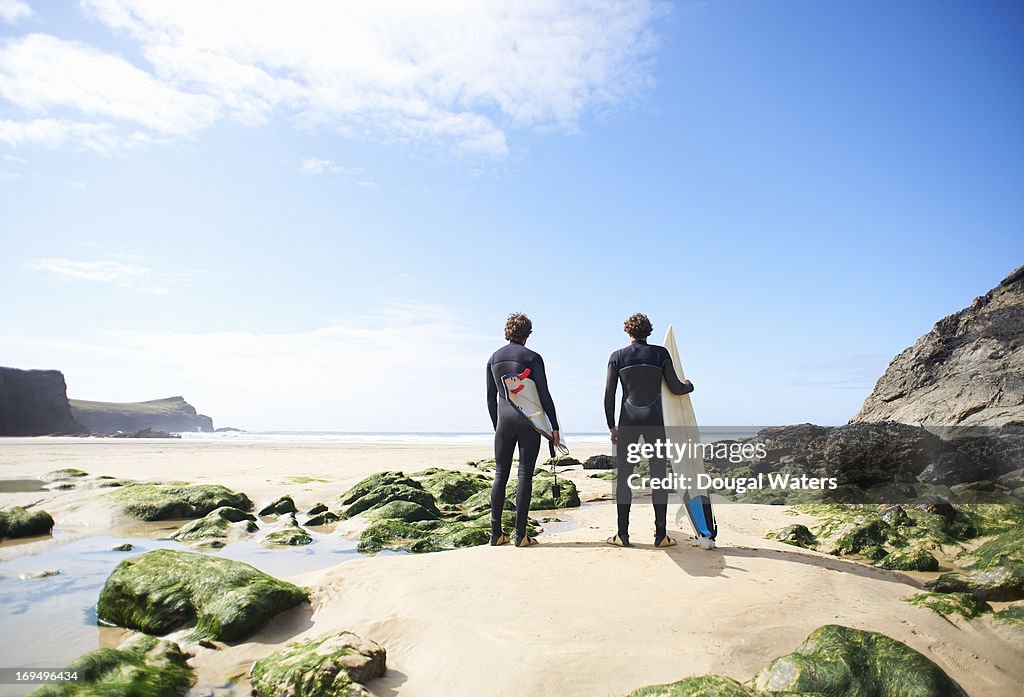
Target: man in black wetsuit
x,y
640,367
511,428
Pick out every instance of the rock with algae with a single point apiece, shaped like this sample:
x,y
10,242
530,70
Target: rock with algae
x,y
698,686
141,665
837,660
163,501
946,604
383,488
20,522
331,666
289,534
216,527
163,590
451,487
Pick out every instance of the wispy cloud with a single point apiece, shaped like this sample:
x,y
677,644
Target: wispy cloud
x,y
13,11
10,176
78,186
455,75
122,273
316,165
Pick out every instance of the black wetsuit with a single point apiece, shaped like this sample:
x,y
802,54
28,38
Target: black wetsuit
x,y
640,367
511,428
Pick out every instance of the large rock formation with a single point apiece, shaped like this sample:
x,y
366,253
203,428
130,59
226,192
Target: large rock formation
x,y
172,414
967,371
35,403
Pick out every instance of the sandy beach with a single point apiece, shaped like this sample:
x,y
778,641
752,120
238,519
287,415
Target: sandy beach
x,y
571,616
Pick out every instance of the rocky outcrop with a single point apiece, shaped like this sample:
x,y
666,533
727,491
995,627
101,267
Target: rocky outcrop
x,y
163,590
967,371
881,462
172,414
35,403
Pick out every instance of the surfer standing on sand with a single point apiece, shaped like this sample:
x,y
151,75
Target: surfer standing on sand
x,y
640,367
512,428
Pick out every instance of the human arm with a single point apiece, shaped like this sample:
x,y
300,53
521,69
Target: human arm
x,y
675,385
611,384
492,397
540,378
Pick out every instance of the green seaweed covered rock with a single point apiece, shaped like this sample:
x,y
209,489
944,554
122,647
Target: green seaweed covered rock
x,y
290,534
163,590
450,486
702,686
1013,615
543,495
396,535
481,501
141,665
19,522
909,559
323,518
859,536
1004,582
216,527
836,660
383,488
156,501
280,506
332,666
406,511
797,535
946,604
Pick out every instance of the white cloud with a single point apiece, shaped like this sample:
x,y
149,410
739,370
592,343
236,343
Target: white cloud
x,y
10,176
454,75
78,186
13,11
129,271
106,271
316,165
104,138
12,158
42,73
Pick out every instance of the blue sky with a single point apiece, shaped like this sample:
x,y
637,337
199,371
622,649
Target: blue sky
x,y
316,217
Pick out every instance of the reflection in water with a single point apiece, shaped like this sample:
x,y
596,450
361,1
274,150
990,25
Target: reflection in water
x,y
12,486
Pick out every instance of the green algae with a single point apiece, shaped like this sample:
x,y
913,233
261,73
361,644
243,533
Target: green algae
x,y
332,666
141,665
163,590
163,501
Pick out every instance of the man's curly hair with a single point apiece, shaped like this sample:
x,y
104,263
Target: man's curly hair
x,y
518,327
638,326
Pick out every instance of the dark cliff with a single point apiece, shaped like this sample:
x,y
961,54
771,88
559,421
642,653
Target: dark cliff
x,y
35,403
967,371
172,414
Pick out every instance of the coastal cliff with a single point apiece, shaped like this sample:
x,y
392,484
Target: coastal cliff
x,y
172,414
35,403
967,371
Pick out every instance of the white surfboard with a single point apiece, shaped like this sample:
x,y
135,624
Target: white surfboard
x,y
681,426
521,392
